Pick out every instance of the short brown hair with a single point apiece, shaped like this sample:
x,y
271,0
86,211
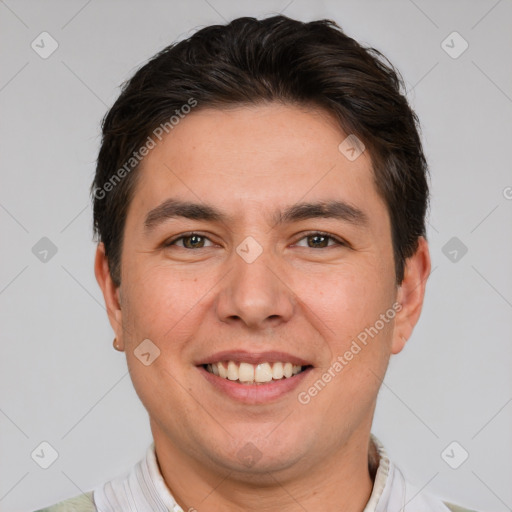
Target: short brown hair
x,y
274,59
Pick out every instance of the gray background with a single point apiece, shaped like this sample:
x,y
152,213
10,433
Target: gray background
x,y
60,379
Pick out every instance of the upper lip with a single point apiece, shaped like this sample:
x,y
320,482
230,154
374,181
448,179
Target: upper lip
x,y
242,356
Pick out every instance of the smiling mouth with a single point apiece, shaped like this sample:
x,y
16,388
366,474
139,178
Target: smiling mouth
x,y
254,374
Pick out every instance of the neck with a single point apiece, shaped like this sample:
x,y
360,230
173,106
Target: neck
x,y
343,481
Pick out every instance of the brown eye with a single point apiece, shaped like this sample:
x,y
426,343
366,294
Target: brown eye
x,y
191,241
319,241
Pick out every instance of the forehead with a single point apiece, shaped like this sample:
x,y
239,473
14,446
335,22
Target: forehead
x,y
255,157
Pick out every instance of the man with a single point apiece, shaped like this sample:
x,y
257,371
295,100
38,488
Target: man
x,y
260,201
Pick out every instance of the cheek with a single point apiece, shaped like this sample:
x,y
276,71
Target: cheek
x,y
346,297
349,303
163,298
153,385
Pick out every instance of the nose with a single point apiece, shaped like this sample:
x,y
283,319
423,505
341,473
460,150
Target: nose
x,y
255,293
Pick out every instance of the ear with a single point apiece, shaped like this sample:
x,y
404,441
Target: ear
x,y
111,293
410,294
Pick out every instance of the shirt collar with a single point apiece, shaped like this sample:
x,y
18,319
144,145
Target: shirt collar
x,y
379,465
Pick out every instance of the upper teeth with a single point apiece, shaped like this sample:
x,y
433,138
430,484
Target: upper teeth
x,y
247,372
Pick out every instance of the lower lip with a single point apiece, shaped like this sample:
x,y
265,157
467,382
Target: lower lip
x,y
255,393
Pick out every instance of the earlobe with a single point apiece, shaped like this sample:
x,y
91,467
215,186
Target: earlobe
x,y
111,293
411,293
398,344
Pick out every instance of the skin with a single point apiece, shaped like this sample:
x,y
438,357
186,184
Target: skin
x,y
295,297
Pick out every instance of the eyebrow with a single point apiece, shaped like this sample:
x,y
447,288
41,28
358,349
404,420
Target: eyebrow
x,y
175,208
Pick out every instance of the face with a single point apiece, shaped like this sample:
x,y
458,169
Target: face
x,y
257,272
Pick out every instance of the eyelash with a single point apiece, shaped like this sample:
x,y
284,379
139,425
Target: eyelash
x,y
306,235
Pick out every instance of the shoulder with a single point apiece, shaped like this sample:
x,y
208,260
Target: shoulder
x,y
82,503
456,508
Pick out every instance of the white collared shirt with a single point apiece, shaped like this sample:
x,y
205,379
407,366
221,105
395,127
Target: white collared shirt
x,y
143,489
